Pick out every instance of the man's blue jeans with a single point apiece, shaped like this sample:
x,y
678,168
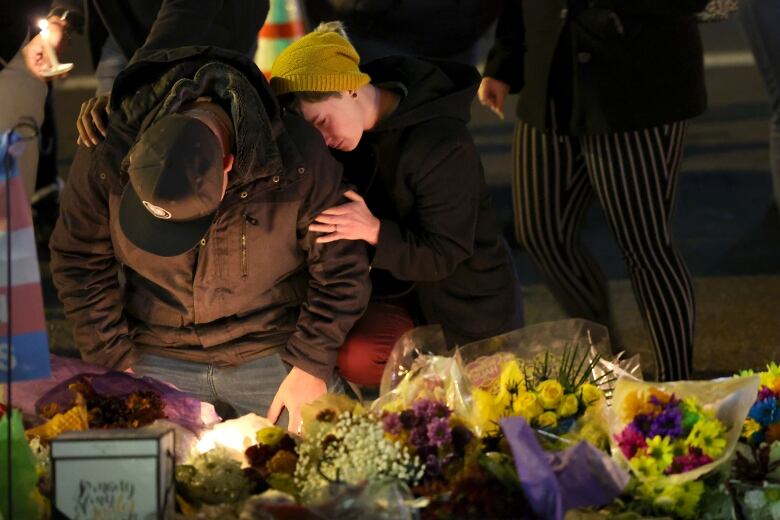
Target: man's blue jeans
x,y
761,23
248,387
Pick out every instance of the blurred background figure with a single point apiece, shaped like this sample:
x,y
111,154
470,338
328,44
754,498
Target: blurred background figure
x,y
761,23
117,29
440,29
22,94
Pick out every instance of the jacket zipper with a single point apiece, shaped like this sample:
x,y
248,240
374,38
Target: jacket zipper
x,y
243,246
246,219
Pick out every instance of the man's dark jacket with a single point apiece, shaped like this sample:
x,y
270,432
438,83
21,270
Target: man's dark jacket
x,y
609,65
257,283
421,175
167,24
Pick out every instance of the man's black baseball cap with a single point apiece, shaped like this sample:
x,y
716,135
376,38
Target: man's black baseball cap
x,y
176,179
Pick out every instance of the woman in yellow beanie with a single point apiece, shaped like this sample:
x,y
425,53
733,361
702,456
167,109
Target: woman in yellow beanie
x,y
398,125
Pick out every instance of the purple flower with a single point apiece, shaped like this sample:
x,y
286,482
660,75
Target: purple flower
x,y
419,437
441,410
642,423
667,423
392,423
408,419
630,441
424,410
439,432
765,393
672,401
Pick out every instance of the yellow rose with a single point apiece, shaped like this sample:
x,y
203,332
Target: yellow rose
x,y
590,393
527,405
547,420
569,405
550,393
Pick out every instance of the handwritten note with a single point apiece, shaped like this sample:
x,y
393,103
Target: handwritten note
x,y
106,500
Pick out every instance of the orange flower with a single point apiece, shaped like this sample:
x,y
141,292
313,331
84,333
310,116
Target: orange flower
x,y
773,433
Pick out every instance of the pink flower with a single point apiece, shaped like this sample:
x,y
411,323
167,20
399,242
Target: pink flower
x,y
691,461
630,441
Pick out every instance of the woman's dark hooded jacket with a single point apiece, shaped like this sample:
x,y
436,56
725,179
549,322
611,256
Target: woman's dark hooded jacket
x,y
421,175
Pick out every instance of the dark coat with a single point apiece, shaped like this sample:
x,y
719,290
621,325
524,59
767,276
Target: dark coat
x,y
258,283
609,65
167,24
421,175
442,29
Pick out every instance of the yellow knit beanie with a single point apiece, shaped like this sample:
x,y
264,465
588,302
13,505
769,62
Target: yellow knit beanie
x,y
321,61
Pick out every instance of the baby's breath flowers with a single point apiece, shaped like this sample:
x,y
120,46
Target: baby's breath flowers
x,y
353,450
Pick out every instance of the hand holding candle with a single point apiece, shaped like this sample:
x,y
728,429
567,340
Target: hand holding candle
x,y
41,53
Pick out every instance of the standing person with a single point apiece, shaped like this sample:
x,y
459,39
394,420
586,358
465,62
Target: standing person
x,y
761,19
398,124
606,91
440,29
202,194
23,95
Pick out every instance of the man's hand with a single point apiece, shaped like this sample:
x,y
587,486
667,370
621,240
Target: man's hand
x,y
351,221
92,121
34,52
492,94
297,389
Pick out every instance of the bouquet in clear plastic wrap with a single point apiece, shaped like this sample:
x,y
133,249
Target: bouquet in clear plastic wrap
x,y
556,375
670,435
422,368
557,398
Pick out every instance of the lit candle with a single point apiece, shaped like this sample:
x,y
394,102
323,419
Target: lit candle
x,y
51,53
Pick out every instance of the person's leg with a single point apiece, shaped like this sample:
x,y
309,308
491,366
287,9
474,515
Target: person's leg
x,y
551,193
251,386
364,354
761,20
189,377
635,177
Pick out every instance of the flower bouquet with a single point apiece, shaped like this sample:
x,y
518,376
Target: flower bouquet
x,y
671,435
755,479
558,397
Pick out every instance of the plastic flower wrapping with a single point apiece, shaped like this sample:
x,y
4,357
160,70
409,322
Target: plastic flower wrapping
x,y
671,434
348,447
756,470
420,367
555,375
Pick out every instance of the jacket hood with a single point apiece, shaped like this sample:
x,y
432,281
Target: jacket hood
x,y
186,73
433,89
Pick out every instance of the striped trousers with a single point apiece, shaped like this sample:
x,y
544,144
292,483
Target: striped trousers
x,y
634,176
